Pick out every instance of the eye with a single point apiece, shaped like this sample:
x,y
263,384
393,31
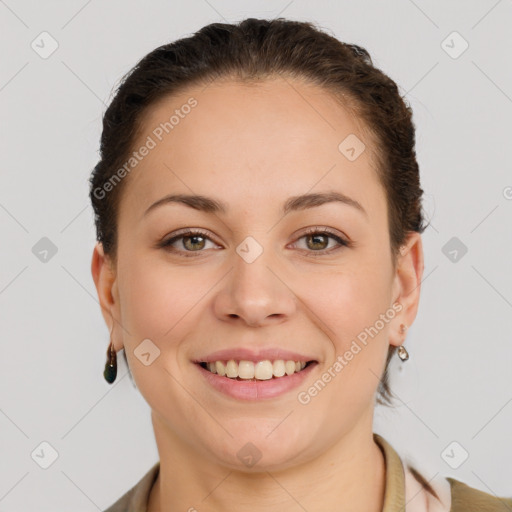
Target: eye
x,y
194,241
191,240
317,239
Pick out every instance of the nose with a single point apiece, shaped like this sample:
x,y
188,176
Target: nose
x,y
255,293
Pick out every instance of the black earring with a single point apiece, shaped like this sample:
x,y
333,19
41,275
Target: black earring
x,y
110,371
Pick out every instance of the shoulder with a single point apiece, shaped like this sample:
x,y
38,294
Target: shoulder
x,y
135,499
450,495
469,499
122,504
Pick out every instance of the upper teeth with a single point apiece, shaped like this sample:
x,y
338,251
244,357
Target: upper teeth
x,y
261,370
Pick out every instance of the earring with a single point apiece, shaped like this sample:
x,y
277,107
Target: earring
x,y
110,371
402,352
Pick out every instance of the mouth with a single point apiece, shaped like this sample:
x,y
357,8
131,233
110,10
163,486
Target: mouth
x,y
254,380
245,370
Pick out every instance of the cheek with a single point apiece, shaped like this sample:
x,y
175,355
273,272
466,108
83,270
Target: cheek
x,y
157,303
353,306
349,301
157,293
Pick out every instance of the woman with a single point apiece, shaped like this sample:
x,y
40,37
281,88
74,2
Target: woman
x,y
259,259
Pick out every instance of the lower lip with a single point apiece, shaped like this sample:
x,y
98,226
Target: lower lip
x,y
256,389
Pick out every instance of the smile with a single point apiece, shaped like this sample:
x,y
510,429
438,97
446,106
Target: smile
x,y
254,380
254,370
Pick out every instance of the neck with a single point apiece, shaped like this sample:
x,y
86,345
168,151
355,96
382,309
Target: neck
x,y
351,474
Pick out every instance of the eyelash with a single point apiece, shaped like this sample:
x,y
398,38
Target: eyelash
x,y
167,244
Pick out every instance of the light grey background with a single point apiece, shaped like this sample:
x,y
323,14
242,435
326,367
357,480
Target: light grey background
x,y
456,385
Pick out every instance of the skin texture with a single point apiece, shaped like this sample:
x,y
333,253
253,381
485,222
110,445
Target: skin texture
x,y
252,147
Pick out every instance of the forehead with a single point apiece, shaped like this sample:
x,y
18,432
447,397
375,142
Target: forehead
x,y
253,142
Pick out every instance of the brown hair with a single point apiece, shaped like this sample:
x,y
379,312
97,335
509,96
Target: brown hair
x,y
247,51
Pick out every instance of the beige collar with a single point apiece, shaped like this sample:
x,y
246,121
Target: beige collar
x,y
404,493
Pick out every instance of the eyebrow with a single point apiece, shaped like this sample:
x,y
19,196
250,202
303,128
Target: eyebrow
x,y
294,203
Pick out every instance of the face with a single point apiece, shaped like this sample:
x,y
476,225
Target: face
x,y
269,271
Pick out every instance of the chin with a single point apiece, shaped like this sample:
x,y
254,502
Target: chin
x,y
259,451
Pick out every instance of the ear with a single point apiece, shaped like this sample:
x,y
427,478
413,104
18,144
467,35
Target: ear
x,y
407,285
105,280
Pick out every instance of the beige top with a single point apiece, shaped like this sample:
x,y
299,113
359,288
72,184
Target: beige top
x,y
403,491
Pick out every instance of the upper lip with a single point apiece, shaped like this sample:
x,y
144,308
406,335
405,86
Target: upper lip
x,y
246,354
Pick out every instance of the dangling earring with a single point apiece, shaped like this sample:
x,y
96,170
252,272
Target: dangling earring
x,y
402,352
110,371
